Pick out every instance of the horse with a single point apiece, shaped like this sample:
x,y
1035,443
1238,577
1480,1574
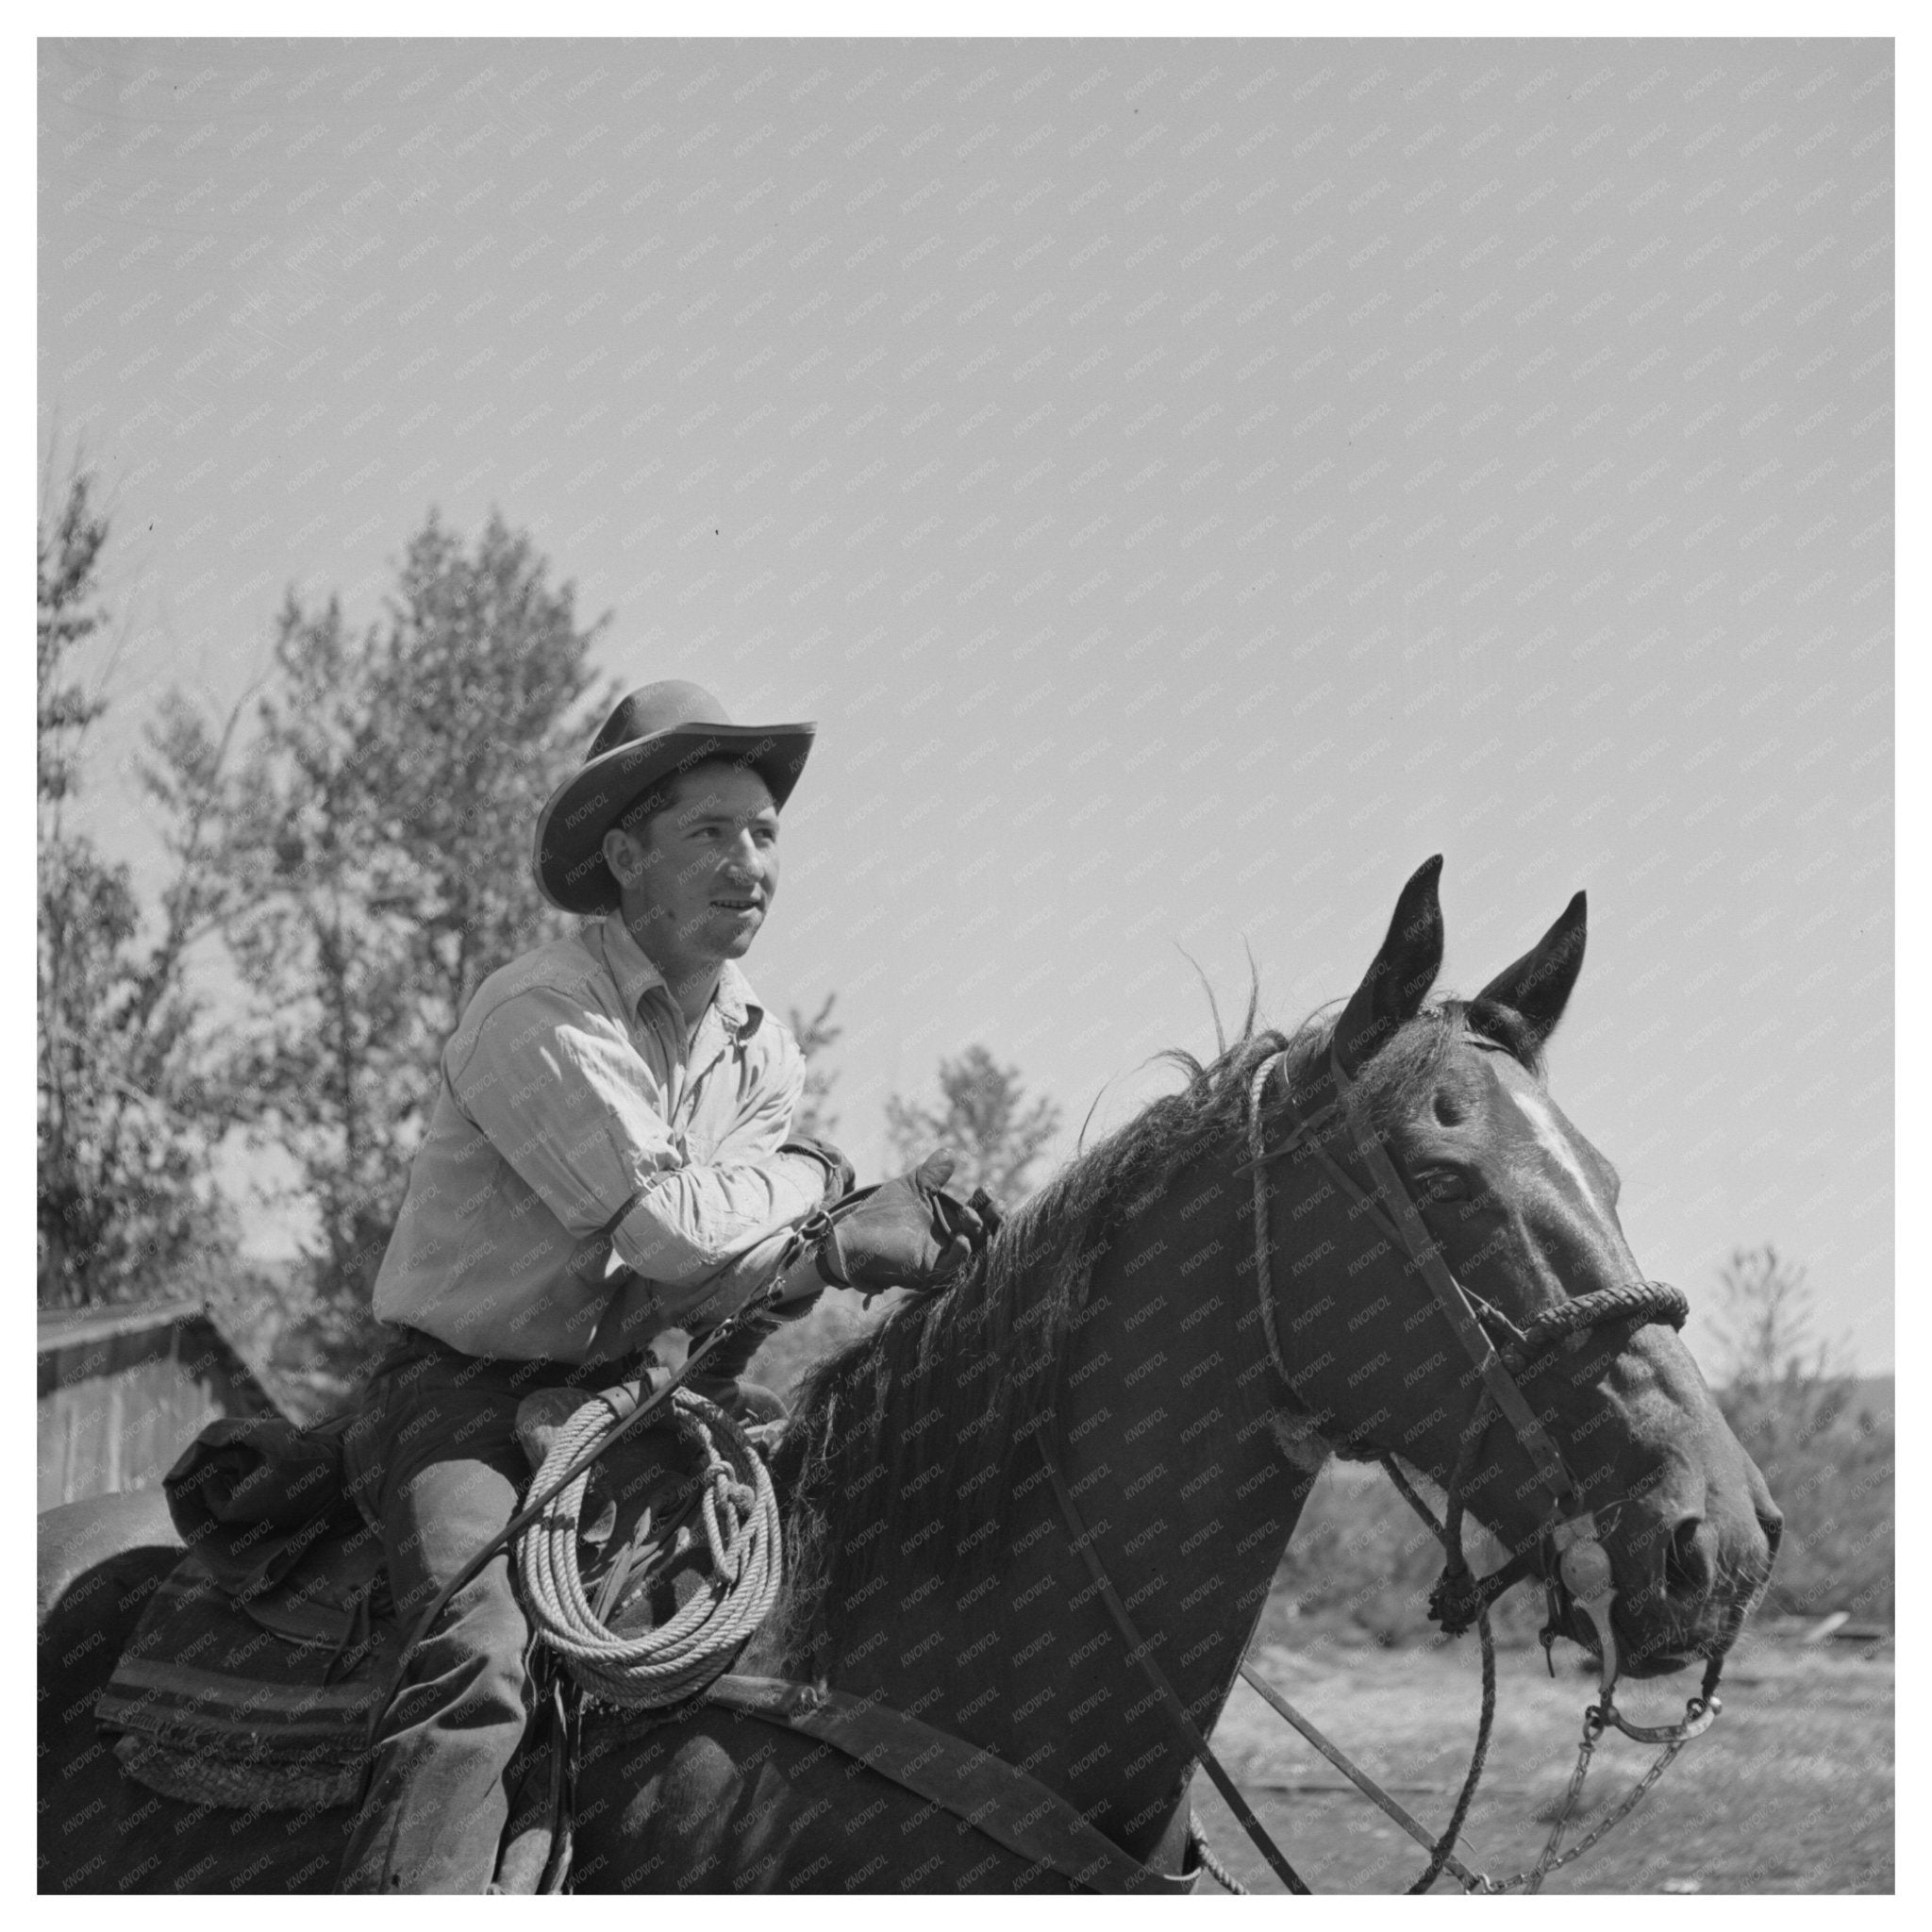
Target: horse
x,y
1151,1336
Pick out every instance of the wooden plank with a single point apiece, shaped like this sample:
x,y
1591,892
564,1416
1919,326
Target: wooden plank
x,y
122,1392
50,1485
84,1407
114,1425
77,1328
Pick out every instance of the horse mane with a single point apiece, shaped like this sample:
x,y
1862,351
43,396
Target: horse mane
x,y
934,1407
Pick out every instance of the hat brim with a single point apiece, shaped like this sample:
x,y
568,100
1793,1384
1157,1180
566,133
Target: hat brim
x,y
568,857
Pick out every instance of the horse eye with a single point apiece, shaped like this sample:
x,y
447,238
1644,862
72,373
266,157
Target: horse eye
x,y
1444,1183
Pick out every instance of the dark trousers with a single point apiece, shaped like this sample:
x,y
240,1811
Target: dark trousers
x,y
436,1453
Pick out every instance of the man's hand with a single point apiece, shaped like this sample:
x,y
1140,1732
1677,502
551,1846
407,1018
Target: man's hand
x,y
838,1173
908,1233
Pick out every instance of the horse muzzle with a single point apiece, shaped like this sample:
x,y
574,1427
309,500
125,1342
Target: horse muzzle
x,y
1696,1593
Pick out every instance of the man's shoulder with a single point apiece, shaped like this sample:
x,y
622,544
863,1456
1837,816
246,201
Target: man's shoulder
x,y
775,1046
565,970
566,964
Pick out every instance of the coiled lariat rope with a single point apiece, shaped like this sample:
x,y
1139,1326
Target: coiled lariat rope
x,y
739,1509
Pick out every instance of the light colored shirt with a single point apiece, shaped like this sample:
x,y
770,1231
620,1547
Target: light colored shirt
x,y
575,1124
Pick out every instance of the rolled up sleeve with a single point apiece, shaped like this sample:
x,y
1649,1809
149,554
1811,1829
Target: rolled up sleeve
x,y
562,1095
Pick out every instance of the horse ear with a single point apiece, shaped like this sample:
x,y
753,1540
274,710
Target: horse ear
x,y
1538,985
1394,987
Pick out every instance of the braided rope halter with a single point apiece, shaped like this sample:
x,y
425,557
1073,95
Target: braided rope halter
x,y
1582,1570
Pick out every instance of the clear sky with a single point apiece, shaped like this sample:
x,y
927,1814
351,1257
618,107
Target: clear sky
x,y
1189,484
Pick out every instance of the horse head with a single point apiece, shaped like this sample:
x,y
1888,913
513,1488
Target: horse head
x,y
1522,1211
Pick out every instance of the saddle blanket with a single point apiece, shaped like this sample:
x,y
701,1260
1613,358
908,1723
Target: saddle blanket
x,y
262,1700
263,1707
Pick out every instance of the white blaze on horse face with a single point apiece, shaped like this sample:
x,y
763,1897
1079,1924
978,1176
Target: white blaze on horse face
x,y
1550,1137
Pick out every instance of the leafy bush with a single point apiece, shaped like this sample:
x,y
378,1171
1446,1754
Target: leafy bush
x,y
1822,1436
1362,1560
1826,1450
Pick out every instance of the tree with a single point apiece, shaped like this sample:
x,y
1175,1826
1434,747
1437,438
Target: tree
x,y
813,1114
127,1115
69,541
377,851
986,1117
1765,1329
1780,1382
1824,1445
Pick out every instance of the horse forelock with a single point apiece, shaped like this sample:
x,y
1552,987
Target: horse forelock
x,y
932,1408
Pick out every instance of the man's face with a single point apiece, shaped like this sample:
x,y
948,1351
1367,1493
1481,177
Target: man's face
x,y
705,868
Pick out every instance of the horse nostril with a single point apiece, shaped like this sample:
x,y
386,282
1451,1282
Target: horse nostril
x,y
1687,1571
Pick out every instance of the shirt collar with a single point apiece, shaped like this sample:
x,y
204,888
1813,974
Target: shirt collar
x,y
738,1005
733,1002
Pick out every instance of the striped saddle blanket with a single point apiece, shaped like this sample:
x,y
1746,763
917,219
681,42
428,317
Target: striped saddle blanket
x,y
262,1703
252,1675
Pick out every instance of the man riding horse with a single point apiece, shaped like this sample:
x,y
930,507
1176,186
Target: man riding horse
x,y
610,1154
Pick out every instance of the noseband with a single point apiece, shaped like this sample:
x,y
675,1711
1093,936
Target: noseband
x,y
1582,1567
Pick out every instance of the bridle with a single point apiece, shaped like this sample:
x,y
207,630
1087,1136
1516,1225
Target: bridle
x,y
1500,1354
1582,1568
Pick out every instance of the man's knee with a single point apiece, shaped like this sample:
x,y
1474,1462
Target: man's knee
x,y
473,1661
488,1616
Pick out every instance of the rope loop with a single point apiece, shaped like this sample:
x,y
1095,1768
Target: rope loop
x,y
742,1532
1204,1857
1640,1301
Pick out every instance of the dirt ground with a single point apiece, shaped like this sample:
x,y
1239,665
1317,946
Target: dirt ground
x,y
1789,1791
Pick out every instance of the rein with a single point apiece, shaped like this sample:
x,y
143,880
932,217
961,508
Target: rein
x,y
1141,1653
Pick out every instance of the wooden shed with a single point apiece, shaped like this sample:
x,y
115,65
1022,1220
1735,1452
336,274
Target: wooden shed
x,y
122,1390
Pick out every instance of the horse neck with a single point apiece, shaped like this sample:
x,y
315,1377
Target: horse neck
x,y
1161,1431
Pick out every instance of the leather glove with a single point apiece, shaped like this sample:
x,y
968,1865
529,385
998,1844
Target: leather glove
x,y
907,1233
991,1215
838,1173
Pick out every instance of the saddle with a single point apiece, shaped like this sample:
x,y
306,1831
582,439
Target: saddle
x,y
255,1673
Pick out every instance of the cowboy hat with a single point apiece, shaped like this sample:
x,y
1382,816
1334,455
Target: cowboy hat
x,y
654,735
